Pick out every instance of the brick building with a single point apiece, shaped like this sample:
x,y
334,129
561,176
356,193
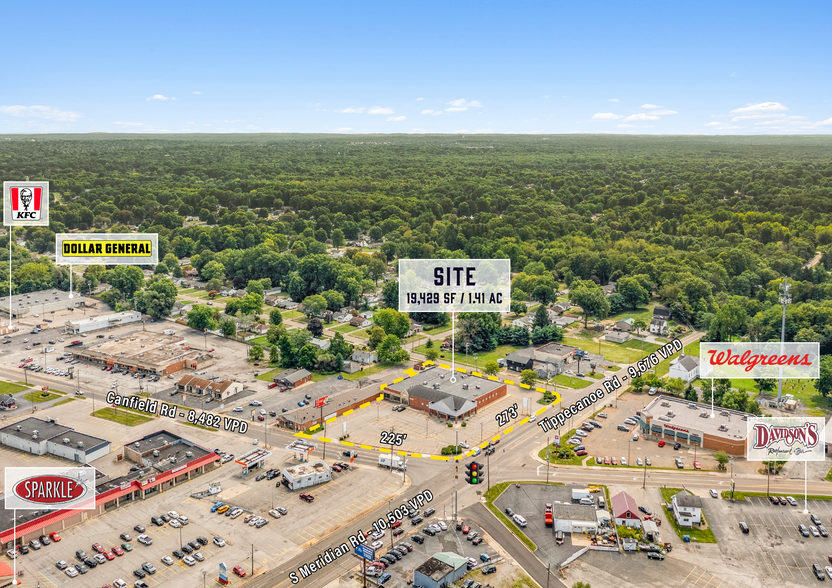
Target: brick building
x,y
689,423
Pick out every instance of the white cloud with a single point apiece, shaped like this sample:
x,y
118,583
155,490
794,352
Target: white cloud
x,y
129,124
662,112
417,130
613,100
641,116
343,129
648,106
462,131
463,102
713,124
397,118
160,97
419,99
456,109
828,121
380,110
625,126
428,111
605,116
196,92
761,107
38,111
236,120
352,110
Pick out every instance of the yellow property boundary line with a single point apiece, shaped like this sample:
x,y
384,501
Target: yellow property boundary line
x,y
470,453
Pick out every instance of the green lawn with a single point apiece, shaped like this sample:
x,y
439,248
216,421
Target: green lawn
x,y
187,290
361,333
617,352
664,365
9,388
576,460
267,376
289,314
696,534
439,329
64,401
345,328
39,396
645,314
570,382
261,340
122,416
499,353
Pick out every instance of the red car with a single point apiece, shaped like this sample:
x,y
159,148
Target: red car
x,y
307,497
606,461
117,550
396,524
466,529
661,443
581,452
109,555
98,548
238,570
696,465
55,537
273,385
613,461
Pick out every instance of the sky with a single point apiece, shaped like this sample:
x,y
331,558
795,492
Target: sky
x,y
621,66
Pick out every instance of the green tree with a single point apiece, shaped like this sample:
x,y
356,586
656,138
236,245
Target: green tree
x,y
431,354
127,279
582,584
519,307
638,384
275,334
315,326
212,270
691,394
377,334
338,239
674,386
251,304
721,458
392,321
639,325
314,305
228,327
161,270
590,297
390,349
275,317
528,377
255,287
824,382
299,338
334,300
256,353
339,347
390,294
633,292
307,356
429,344
541,317
157,299
491,367
201,317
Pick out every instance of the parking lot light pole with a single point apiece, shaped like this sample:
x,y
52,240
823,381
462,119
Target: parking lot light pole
x,y
203,578
628,452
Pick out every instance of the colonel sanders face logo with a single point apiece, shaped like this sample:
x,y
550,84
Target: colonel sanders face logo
x,y
26,197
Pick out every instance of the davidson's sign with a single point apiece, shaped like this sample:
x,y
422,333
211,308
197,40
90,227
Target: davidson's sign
x,y
55,488
786,438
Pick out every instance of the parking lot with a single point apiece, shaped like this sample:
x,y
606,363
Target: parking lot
x,y
450,540
529,501
777,548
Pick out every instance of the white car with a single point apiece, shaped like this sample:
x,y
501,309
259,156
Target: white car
x,y
533,418
713,493
378,534
11,553
238,409
814,531
639,462
189,560
623,461
255,403
219,542
443,525
580,433
145,539
119,583
263,411
464,445
175,523
184,520
71,571
274,513
575,441
167,560
198,556
376,544
173,514
253,521
647,461
254,441
635,437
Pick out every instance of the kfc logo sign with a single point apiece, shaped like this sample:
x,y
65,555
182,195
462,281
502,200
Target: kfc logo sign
x,y
25,203
786,438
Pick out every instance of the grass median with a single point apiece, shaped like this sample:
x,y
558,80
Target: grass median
x,y
41,396
123,416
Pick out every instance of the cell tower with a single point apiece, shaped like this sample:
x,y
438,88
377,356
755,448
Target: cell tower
x,y
785,298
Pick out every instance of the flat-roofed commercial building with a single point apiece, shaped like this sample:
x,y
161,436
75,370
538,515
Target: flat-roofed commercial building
x,y
689,423
105,321
47,435
145,352
27,305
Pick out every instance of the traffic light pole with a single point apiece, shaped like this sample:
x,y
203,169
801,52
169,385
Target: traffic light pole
x,y
488,470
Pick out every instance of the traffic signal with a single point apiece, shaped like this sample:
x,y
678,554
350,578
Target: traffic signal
x,y
474,474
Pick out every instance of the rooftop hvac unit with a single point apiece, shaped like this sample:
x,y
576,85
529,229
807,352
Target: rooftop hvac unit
x,y
691,405
442,377
723,428
670,414
17,428
155,453
137,445
465,386
35,435
80,444
665,404
435,386
65,440
172,459
664,418
477,386
189,454
724,413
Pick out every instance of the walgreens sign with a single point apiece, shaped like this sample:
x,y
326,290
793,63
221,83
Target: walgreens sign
x,y
786,438
759,360
50,488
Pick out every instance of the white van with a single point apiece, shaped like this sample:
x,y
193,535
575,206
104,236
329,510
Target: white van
x,y
519,520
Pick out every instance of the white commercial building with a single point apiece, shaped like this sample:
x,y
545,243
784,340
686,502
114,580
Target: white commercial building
x,y
42,436
575,518
103,322
306,474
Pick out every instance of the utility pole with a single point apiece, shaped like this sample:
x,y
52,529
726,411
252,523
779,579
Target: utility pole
x,y
488,470
547,459
252,559
644,482
785,298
